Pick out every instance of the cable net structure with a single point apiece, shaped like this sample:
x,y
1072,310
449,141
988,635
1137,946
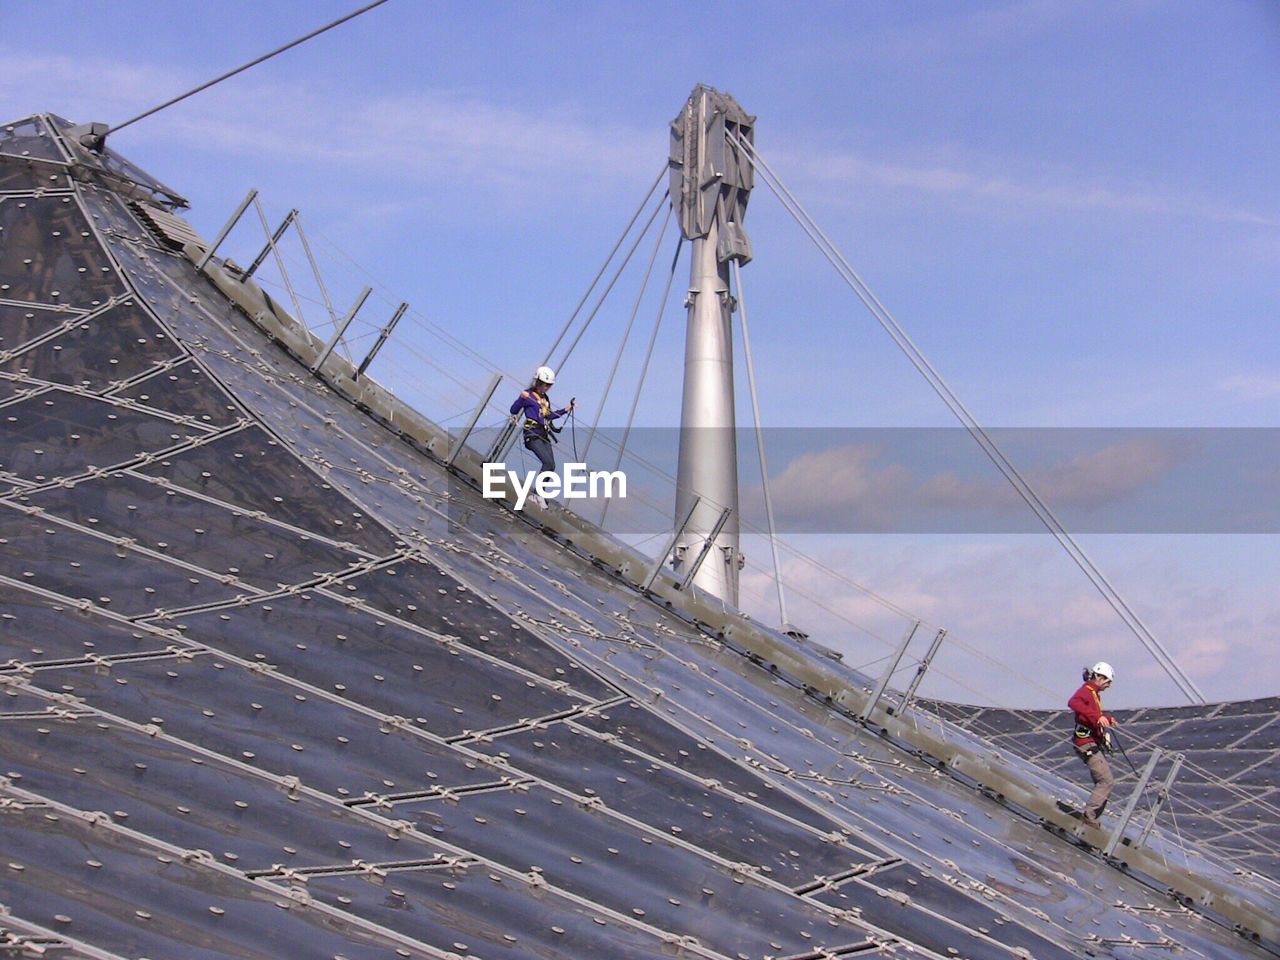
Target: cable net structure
x,y
276,680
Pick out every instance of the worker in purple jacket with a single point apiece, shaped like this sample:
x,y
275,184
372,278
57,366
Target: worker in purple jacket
x,y
537,417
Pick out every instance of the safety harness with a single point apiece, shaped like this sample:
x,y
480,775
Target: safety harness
x,y
1083,730
542,427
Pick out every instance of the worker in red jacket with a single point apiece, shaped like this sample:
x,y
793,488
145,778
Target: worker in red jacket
x,y
1092,736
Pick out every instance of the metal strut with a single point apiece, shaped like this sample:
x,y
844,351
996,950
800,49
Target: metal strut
x,y
659,563
227,228
475,418
921,670
382,338
342,328
270,244
883,682
707,545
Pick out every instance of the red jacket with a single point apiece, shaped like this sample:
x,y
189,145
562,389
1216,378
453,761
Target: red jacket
x,y
1087,704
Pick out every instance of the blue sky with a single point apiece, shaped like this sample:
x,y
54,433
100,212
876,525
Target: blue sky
x,y
1071,206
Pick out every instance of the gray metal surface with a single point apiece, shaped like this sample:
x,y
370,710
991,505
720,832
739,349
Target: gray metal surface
x,y
710,186
277,684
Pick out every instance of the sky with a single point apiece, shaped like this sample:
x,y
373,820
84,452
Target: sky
x,y
1071,207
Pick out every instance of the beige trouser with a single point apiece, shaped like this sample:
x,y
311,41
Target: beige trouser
x,y
1103,782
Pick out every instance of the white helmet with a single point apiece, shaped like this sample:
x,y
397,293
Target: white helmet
x,y
1103,669
545,375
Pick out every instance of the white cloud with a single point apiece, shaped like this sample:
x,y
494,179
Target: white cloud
x,y
1022,621
1026,192
434,136
844,482
1252,387
444,137
862,487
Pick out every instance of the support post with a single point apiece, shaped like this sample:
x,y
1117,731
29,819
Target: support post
x,y
230,225
502,442
671,545
883,682
382,338
707,546
270,244
342,328
315,270
1114,840
710,183
921,670
475,418
1161,798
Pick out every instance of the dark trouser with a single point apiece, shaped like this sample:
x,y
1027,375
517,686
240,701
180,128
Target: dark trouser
x,y
1103,781
541,448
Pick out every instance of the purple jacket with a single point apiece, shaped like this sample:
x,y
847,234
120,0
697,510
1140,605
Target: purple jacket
x,y
537,414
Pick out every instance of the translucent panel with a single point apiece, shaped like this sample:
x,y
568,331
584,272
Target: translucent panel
x,y
14,701
49,255
118,165
258,719
952,925
594,855
186,391
473,911
1266,738
82,567
22,176
395,671
179,797
67,874
622,831
114,345
645,731
21,325
36,630
180,305
675,804
421,593
218,539
112,216
61,434
252,470
1260,710
1246,727
121,169
29,138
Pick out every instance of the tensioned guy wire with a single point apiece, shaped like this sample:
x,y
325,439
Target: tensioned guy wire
x,y
604,266
979,434
252,63
626,334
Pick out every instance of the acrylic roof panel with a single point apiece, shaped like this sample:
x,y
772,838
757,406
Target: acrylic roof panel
x,y
1227,793
276,684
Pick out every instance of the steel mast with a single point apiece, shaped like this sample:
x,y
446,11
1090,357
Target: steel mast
x,y
710,184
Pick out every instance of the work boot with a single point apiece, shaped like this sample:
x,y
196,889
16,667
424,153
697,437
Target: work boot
x,y
1090,820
